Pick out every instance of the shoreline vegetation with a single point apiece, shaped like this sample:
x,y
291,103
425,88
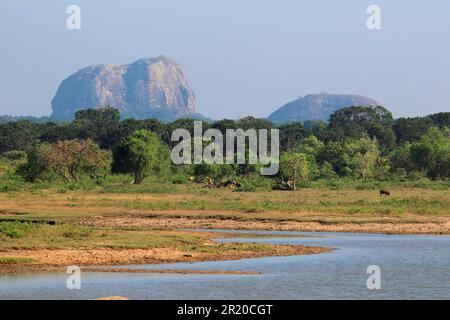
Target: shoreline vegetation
x,y
96,249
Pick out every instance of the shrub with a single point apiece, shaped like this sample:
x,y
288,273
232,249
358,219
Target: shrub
x,y
14,229
14,156
10,183
256,183
178,179
5,169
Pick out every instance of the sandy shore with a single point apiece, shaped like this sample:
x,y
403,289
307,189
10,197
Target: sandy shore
x,y
441,227
47,260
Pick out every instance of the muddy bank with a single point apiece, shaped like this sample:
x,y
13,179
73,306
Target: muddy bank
x,y
24,269
45,260
431,228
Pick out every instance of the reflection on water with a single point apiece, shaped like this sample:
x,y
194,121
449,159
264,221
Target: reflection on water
x,y
412,267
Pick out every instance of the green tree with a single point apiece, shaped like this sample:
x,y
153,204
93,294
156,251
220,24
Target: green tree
x,y
311,146
101,125
432,153
57,132
216,172
294,167
359,157
141,154
17,135
400,159
411,129
339,155
35,167
254,123
355,122
326,171
441,119
365,159
291,134
225,124
429,155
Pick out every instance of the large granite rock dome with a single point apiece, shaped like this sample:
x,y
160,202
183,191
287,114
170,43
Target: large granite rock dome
x,y
155,87
318,107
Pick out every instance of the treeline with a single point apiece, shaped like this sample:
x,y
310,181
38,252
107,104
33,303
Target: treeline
x,y
357,142
6,119
105,128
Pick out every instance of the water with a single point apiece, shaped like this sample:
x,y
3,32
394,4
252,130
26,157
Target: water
x,y
412,267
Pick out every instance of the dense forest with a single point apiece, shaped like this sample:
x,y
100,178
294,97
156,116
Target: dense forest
x,y
358,144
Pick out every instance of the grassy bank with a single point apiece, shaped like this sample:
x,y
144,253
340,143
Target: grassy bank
x,y
405,201
27,246
327,207
53,227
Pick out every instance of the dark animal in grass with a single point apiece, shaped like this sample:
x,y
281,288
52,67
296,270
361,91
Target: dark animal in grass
x,y
231,184
384,192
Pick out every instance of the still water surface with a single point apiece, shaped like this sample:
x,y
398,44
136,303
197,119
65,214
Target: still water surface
x,y
412,267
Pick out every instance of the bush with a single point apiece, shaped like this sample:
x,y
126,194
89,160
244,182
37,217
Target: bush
x,y
10,183
178,179
334,184
256,183
33,169
326,171
14,229
5,169
14,156
217,172
428,184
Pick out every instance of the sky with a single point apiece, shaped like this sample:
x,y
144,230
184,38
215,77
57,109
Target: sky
x,y
241,57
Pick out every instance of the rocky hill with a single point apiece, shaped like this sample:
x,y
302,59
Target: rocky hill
x,y
318,107
155,87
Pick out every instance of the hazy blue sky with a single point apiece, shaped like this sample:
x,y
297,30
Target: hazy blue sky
x,y
241,57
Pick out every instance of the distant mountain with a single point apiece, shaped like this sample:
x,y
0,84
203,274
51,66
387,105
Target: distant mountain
x,y
148,88
318,107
